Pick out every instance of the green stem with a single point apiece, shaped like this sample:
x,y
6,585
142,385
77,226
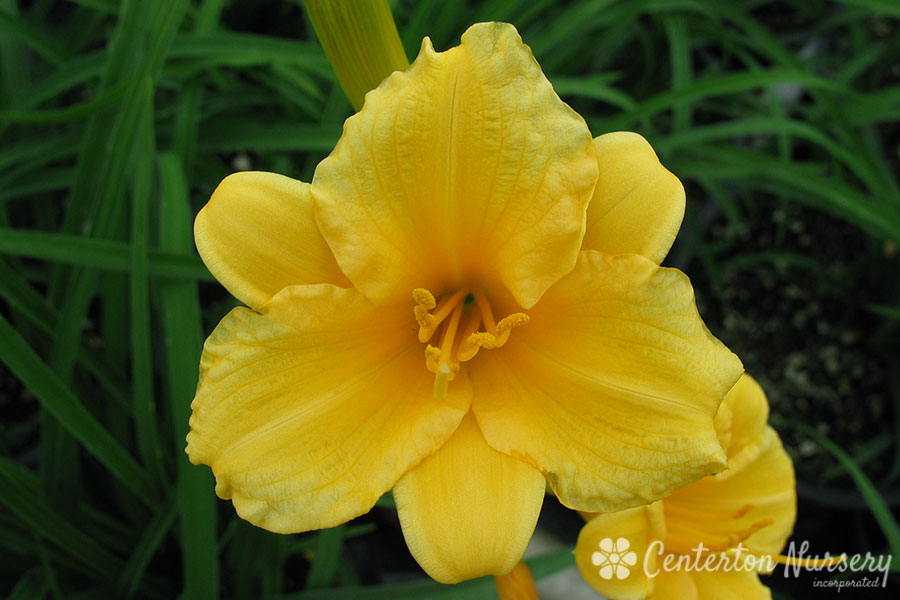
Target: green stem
x,y
361,42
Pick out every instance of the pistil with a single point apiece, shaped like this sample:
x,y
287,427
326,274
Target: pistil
x,y
446,369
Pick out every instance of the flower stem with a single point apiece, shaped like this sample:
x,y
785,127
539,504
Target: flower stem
x,y
361,42
518,584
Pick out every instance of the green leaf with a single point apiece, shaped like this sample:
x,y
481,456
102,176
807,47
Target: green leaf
x,y
145,411
36,149
879,508
181,323
59,401
106,6
20,495
247,134
551,563
51,180
885,310
885,7
760,171
245,49
482,588
15,27
74,72
386,501
98,254
596,87
730,130
70,113
326,558
27,302
31,586
680,57
13,71
156,530
719,85
475,589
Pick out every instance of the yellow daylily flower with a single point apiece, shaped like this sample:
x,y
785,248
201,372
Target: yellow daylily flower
x,y
464,302
752,504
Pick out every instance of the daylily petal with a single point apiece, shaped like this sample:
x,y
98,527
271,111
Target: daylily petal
x,y
731,585
465,170
746,410
258,234
739,499
611,388
638,205
675,585
310,409
640,527
468,510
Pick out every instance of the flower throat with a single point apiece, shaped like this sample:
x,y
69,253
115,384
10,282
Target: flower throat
x,y
459,316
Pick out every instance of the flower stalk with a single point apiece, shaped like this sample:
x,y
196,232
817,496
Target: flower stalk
x,y
361,42
518,584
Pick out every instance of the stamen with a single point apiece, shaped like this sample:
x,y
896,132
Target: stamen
x,y
690,526
762,523
428,322
686,512
506,325
447,368
432,358
717,541
450,333
458,343
492,341
424,303
448,304
485,309
423,298
466,350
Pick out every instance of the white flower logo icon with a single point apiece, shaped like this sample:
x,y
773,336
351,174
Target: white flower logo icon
x,y
614,558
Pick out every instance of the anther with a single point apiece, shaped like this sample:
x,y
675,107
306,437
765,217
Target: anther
x,y
492,341
432,358
460,340
429,322
424,298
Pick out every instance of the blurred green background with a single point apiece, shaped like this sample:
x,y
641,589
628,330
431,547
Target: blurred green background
x,y
118,119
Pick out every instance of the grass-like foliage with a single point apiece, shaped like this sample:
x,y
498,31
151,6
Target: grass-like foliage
x,y
118,119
